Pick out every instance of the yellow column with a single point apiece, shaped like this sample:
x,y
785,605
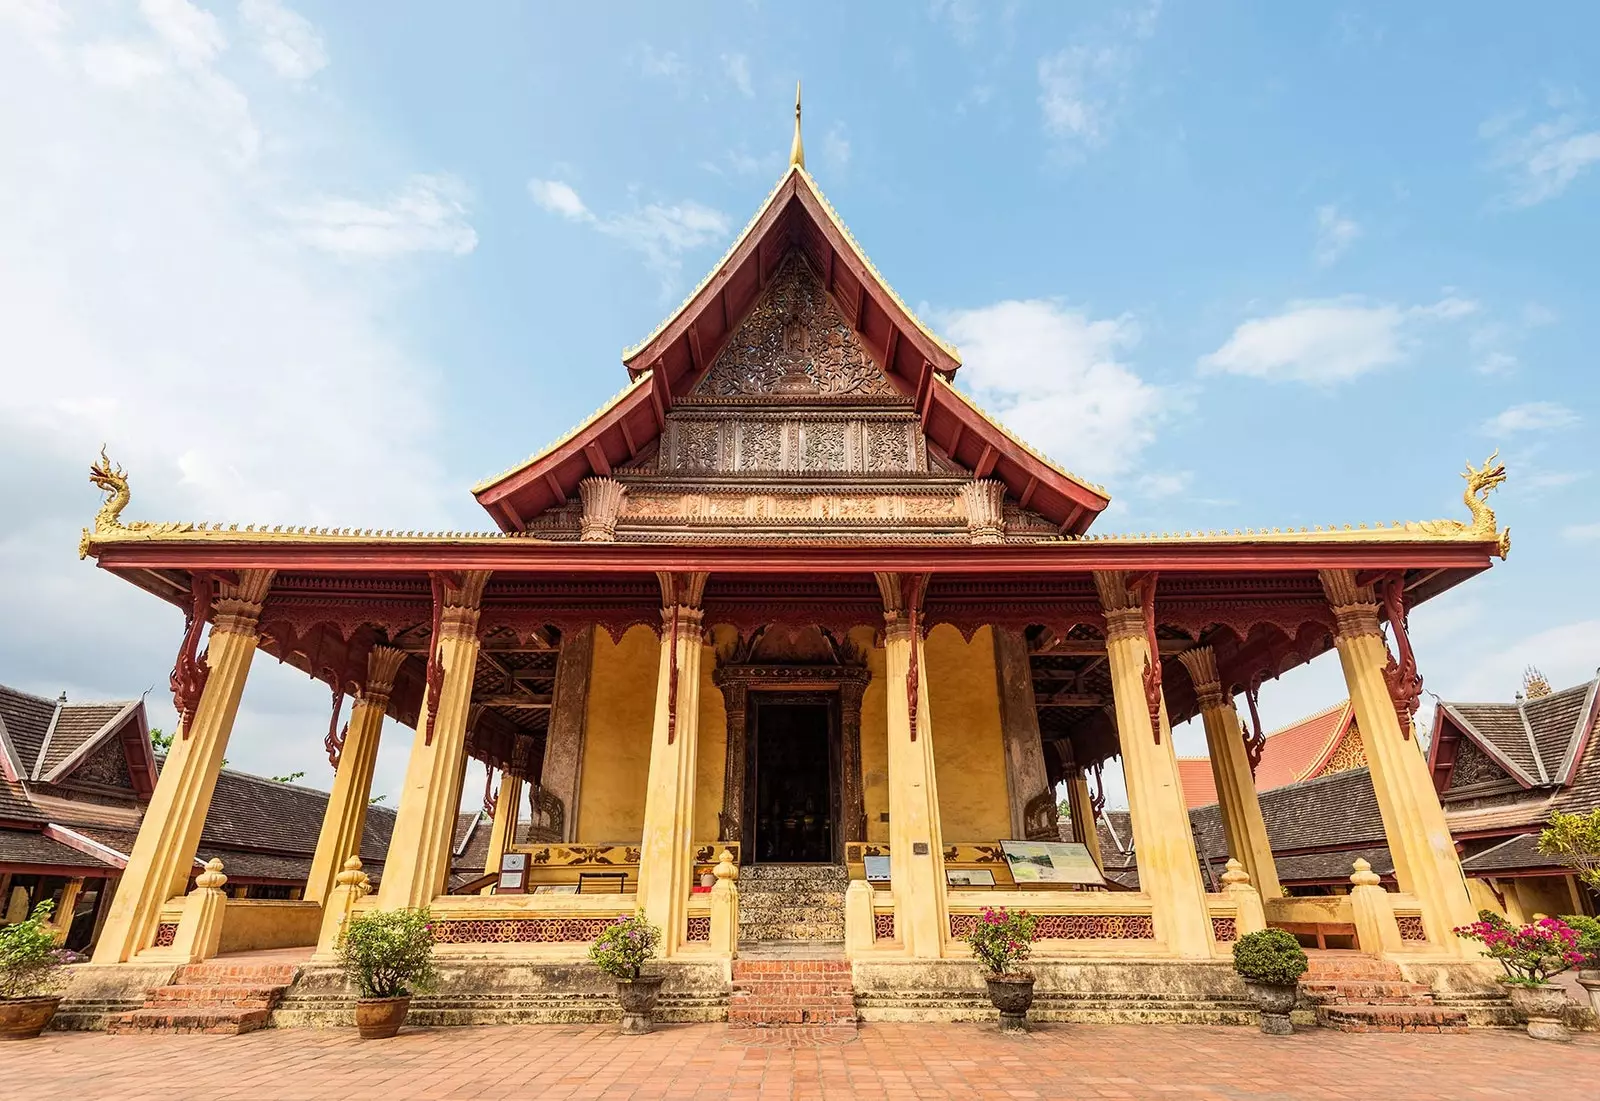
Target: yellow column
x,y
503,830
419,849
1169,870
1425,861
1230,766
665,870
163,854
916,841
1081,806
346,816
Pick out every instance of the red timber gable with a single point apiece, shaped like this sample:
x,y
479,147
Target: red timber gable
x,y
796,230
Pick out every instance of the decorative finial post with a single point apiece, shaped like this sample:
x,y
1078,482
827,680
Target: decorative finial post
x,y
797,150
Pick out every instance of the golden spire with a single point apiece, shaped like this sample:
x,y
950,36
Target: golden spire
x,y
797,151
1534,684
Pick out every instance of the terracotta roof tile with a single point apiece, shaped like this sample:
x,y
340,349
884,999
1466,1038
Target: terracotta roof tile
x,y
77,723
14,804
1292,753
1514,854
27,721
27,847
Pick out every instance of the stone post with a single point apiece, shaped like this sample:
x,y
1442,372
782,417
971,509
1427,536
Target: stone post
x,y
1027,781
418,861
350,886
736,706
852,784
562,770
1169,869
503,830
860,934
1250,916
1230,768
666,871
200,928
346,816
1377,932
916,841
61,919
163,854
725,907
1425,861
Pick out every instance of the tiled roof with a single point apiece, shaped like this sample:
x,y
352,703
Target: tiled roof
x,y
27,847
14,804
1292,753
1331,867
243,864
77,723
1501,726
1515,854
27,721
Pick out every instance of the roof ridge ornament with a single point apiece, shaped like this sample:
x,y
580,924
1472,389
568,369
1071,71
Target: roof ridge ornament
x,y
797,149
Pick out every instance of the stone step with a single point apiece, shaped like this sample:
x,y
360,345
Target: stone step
x,y
1335,965
1391,1018
791,992
1365,992
249,996
215,972
211,1020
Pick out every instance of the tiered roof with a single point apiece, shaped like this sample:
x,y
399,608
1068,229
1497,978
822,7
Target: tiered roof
x,y
1300,751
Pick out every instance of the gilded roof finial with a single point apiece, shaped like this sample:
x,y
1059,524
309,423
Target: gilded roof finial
x,y
797,150
1534,684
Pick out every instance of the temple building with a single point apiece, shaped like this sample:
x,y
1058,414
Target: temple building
x,y
1317,745
792,597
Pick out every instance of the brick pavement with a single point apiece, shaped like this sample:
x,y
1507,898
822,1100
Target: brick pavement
x,y
884,1062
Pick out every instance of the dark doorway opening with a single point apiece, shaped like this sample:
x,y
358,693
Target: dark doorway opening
x,y
793,761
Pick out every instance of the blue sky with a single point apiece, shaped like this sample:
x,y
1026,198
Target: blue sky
x,y
1246,264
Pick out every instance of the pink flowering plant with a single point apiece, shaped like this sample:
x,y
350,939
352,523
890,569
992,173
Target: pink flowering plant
x,y
625,946
1530,954
1001,939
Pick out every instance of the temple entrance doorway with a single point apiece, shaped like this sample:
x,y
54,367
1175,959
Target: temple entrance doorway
x,y
793,769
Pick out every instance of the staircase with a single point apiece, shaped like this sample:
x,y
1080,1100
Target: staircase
x,y
1359,993
777,992
792,902
221,999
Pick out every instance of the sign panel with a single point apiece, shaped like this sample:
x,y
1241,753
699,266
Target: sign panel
x,y
1051,862
969,877
877,868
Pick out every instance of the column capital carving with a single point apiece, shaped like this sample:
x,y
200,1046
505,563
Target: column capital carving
x,y
602,504
1201,663
1123,611
902,595
236,607
686,589
460,599
1355,608
984,499
383,665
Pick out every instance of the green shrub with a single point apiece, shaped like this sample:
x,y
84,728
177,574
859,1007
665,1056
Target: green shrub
x,y
1000,939
1574,839
624,946
30,962
1588,930
1269,956
388,953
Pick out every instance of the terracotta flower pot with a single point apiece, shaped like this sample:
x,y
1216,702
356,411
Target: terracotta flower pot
x,y
25,1018
1590,981
638,998
381,1018
1274,1000
1542,1007
1011,995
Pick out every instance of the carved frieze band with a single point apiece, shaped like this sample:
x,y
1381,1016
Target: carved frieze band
x,y
887,442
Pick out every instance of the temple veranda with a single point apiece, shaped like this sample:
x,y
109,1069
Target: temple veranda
x,y
790,600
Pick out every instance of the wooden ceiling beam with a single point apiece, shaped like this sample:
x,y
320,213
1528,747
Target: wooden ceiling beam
x,y
597,459
516,703
1075,699
627,438
1093,647
986,460
554,483
1027,492
889,347
697,358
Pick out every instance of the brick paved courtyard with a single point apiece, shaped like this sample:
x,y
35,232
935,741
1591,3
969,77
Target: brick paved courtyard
x,y
884,1061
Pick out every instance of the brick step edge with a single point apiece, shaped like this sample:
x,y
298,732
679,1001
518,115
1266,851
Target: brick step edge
x,y
1391,1019
208,993
229,1022
213,974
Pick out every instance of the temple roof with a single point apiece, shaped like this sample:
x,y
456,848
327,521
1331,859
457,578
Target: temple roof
x,y
1292,753
1538,742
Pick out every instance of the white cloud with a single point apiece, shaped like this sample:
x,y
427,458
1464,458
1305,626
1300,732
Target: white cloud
x,y
659,63
1079,89
558,198
1540,161
1582,533
1168,484
1532,416
285,38
737,66
154,302
120,64
192,34
961,17
1335,234
1328,341
428,214
836,147
662,232
1054,375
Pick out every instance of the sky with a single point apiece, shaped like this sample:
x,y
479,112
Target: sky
x,y
1245,264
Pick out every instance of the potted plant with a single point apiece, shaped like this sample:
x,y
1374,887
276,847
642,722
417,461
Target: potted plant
x,y
387,955
1530,955
1588,930
30,965
621,951
1000,940
1271,962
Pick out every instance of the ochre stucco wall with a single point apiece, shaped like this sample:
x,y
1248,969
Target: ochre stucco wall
x,y
968,750
616,747
616,751
874,741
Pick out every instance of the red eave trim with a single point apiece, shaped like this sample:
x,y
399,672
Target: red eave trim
x,y
530,556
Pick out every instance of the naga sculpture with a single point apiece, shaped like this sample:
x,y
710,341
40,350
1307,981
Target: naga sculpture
x,y
114,481
1481,481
